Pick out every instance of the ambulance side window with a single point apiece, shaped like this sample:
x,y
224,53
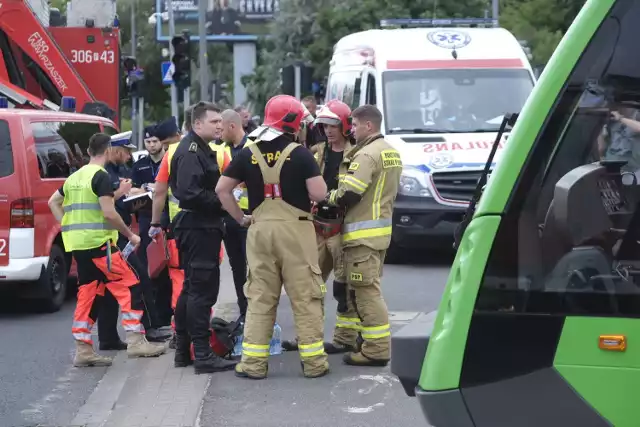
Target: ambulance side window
x,y
345,86
371,90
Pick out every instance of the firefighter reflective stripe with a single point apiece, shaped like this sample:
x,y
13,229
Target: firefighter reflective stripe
x,y
131,322
353,182
81,206
83,223
311,350
172,199
348,323
374,332
377,195
255,350
366,229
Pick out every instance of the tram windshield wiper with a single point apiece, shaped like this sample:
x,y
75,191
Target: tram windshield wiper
x,y
509,120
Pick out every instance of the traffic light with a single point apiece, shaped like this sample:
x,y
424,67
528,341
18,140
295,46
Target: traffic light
x,y
182,60
133,75
288,79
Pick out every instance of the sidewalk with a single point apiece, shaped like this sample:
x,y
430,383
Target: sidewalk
x,y
151,392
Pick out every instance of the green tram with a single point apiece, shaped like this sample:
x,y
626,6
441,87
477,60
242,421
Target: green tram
x,y
539,324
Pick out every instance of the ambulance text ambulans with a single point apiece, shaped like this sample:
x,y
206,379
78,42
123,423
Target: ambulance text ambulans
x,y
443,89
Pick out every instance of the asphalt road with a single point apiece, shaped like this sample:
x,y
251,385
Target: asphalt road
x,y
348,396
38,385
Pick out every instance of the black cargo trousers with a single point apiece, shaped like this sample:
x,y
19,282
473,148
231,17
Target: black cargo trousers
x,y
199,249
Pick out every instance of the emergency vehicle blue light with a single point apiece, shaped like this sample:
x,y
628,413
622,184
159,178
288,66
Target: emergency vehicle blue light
x,y
426,22
68,104
4,102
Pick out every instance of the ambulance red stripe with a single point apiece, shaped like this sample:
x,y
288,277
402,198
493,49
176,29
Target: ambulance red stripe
x,y
422,64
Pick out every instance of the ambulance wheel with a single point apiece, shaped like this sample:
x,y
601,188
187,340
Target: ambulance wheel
x,y
53,281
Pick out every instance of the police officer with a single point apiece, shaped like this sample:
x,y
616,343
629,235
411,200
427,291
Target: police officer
x,y
281,178
143,175
335,120
235,239
198,229
119,156
367,191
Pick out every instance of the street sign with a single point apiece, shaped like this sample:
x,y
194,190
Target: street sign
x,y
167,72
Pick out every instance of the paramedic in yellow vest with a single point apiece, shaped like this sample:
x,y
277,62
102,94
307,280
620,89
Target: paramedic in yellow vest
x,y
85,207
282,179
334,121
235,238
367,191
160,201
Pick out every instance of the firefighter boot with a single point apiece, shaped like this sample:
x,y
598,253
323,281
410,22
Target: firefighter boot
x,y
290,345
337,347
240,373
207,362
182,358
85,356
359,359
138,346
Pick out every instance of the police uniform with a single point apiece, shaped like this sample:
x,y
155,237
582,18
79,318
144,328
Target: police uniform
x,y
91,240
367,190
281,246
198,228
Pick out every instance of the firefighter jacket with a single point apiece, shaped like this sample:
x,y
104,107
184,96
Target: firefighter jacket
x,y
367,190
319,153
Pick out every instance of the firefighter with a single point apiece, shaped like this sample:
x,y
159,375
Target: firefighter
x,y
193,174
335,120
367,191
162,204
90,225
281,178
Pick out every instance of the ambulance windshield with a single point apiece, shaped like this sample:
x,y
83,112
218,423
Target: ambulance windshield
x,y
452,100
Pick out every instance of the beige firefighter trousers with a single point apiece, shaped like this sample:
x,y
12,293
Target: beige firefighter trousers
x,y
363,269
347,320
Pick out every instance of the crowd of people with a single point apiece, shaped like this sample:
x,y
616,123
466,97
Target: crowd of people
x,y
293,199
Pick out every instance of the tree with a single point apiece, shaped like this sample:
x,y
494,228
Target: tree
x,y
541,22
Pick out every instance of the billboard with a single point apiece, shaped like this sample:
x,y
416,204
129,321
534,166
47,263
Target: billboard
x,y
227,20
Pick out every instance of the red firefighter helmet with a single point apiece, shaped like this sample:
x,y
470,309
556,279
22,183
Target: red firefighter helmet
x,y
336,113
282,114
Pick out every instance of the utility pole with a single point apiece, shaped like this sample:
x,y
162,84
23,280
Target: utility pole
x,y
134,100
495,7
202,50
172,33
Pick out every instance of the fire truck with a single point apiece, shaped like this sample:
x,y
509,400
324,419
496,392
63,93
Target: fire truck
x,y
41,64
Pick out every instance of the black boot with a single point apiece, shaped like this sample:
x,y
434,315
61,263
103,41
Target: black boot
x,y
290,345
182,357
337,348
113,345
157,335
207,362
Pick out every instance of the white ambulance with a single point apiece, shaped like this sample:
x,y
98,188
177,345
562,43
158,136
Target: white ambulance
x,y
443,89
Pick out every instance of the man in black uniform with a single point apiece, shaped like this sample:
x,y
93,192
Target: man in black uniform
x,y
198,229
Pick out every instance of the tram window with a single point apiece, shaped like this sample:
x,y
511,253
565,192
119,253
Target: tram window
x,y
536,266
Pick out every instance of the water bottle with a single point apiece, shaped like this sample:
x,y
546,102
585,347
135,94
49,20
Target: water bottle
x,y
127,250
275,346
